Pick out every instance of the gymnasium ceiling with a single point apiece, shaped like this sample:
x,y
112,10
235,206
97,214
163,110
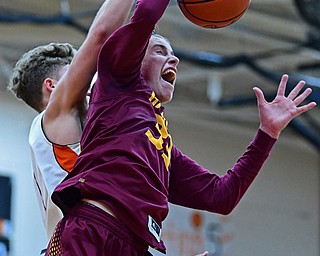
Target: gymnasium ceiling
x,y
273,37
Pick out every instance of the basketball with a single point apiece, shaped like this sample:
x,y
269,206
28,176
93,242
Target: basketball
x,y
213,13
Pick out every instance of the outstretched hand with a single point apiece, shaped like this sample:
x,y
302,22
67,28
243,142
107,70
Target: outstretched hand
x,y
276,115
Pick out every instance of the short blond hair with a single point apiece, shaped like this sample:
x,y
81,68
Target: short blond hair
x,y
34,67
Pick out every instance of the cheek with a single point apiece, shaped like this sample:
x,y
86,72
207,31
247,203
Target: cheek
x,y
148,70
151,68
144,68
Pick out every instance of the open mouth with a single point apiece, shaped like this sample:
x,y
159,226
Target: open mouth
x,y
169,75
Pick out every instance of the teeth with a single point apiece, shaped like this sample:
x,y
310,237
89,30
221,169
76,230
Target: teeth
x,y
169,75
169,71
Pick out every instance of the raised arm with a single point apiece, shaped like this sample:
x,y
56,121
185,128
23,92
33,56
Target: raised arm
x,y
122,54
70,91
221,194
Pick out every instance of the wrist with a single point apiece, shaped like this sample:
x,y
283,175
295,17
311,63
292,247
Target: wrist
x,y
270,132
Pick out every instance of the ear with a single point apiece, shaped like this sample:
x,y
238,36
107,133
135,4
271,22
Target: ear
x,y
49,84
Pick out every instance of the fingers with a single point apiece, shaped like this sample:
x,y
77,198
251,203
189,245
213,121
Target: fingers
x,y
298,100
282,85
296,90
301,97
306,108
294,94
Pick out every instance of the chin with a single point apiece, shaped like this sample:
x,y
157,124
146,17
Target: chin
x,y
166,99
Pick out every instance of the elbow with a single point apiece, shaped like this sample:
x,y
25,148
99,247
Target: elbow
x,y
229,207
225,208
226,211
98,35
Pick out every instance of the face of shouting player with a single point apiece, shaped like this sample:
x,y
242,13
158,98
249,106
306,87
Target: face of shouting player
x,y
159,68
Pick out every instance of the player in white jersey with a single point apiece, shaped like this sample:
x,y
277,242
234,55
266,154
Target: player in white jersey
x,y
50,164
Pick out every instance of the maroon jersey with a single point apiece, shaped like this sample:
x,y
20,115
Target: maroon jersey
x,y
128,160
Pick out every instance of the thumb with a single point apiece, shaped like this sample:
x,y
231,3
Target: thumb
x,y
259,95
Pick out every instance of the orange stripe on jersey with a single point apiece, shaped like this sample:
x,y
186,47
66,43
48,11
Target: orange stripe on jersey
x,y
1,226
65,157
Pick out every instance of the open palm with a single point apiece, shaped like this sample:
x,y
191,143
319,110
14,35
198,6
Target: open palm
x,y
276,115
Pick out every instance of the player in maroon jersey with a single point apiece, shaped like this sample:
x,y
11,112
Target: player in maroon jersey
x,y
116,198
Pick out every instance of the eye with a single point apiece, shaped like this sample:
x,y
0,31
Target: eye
x,y
160,52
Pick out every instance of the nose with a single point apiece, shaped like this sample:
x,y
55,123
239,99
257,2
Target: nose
x,y
174,60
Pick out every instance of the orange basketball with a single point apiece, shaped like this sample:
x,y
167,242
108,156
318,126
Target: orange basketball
x,y
213,13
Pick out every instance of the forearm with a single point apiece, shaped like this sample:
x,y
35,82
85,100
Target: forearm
x,y
236,182
111,15
193,186
76,82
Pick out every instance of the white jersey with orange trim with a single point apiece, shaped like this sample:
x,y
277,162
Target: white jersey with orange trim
x,y
50,165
